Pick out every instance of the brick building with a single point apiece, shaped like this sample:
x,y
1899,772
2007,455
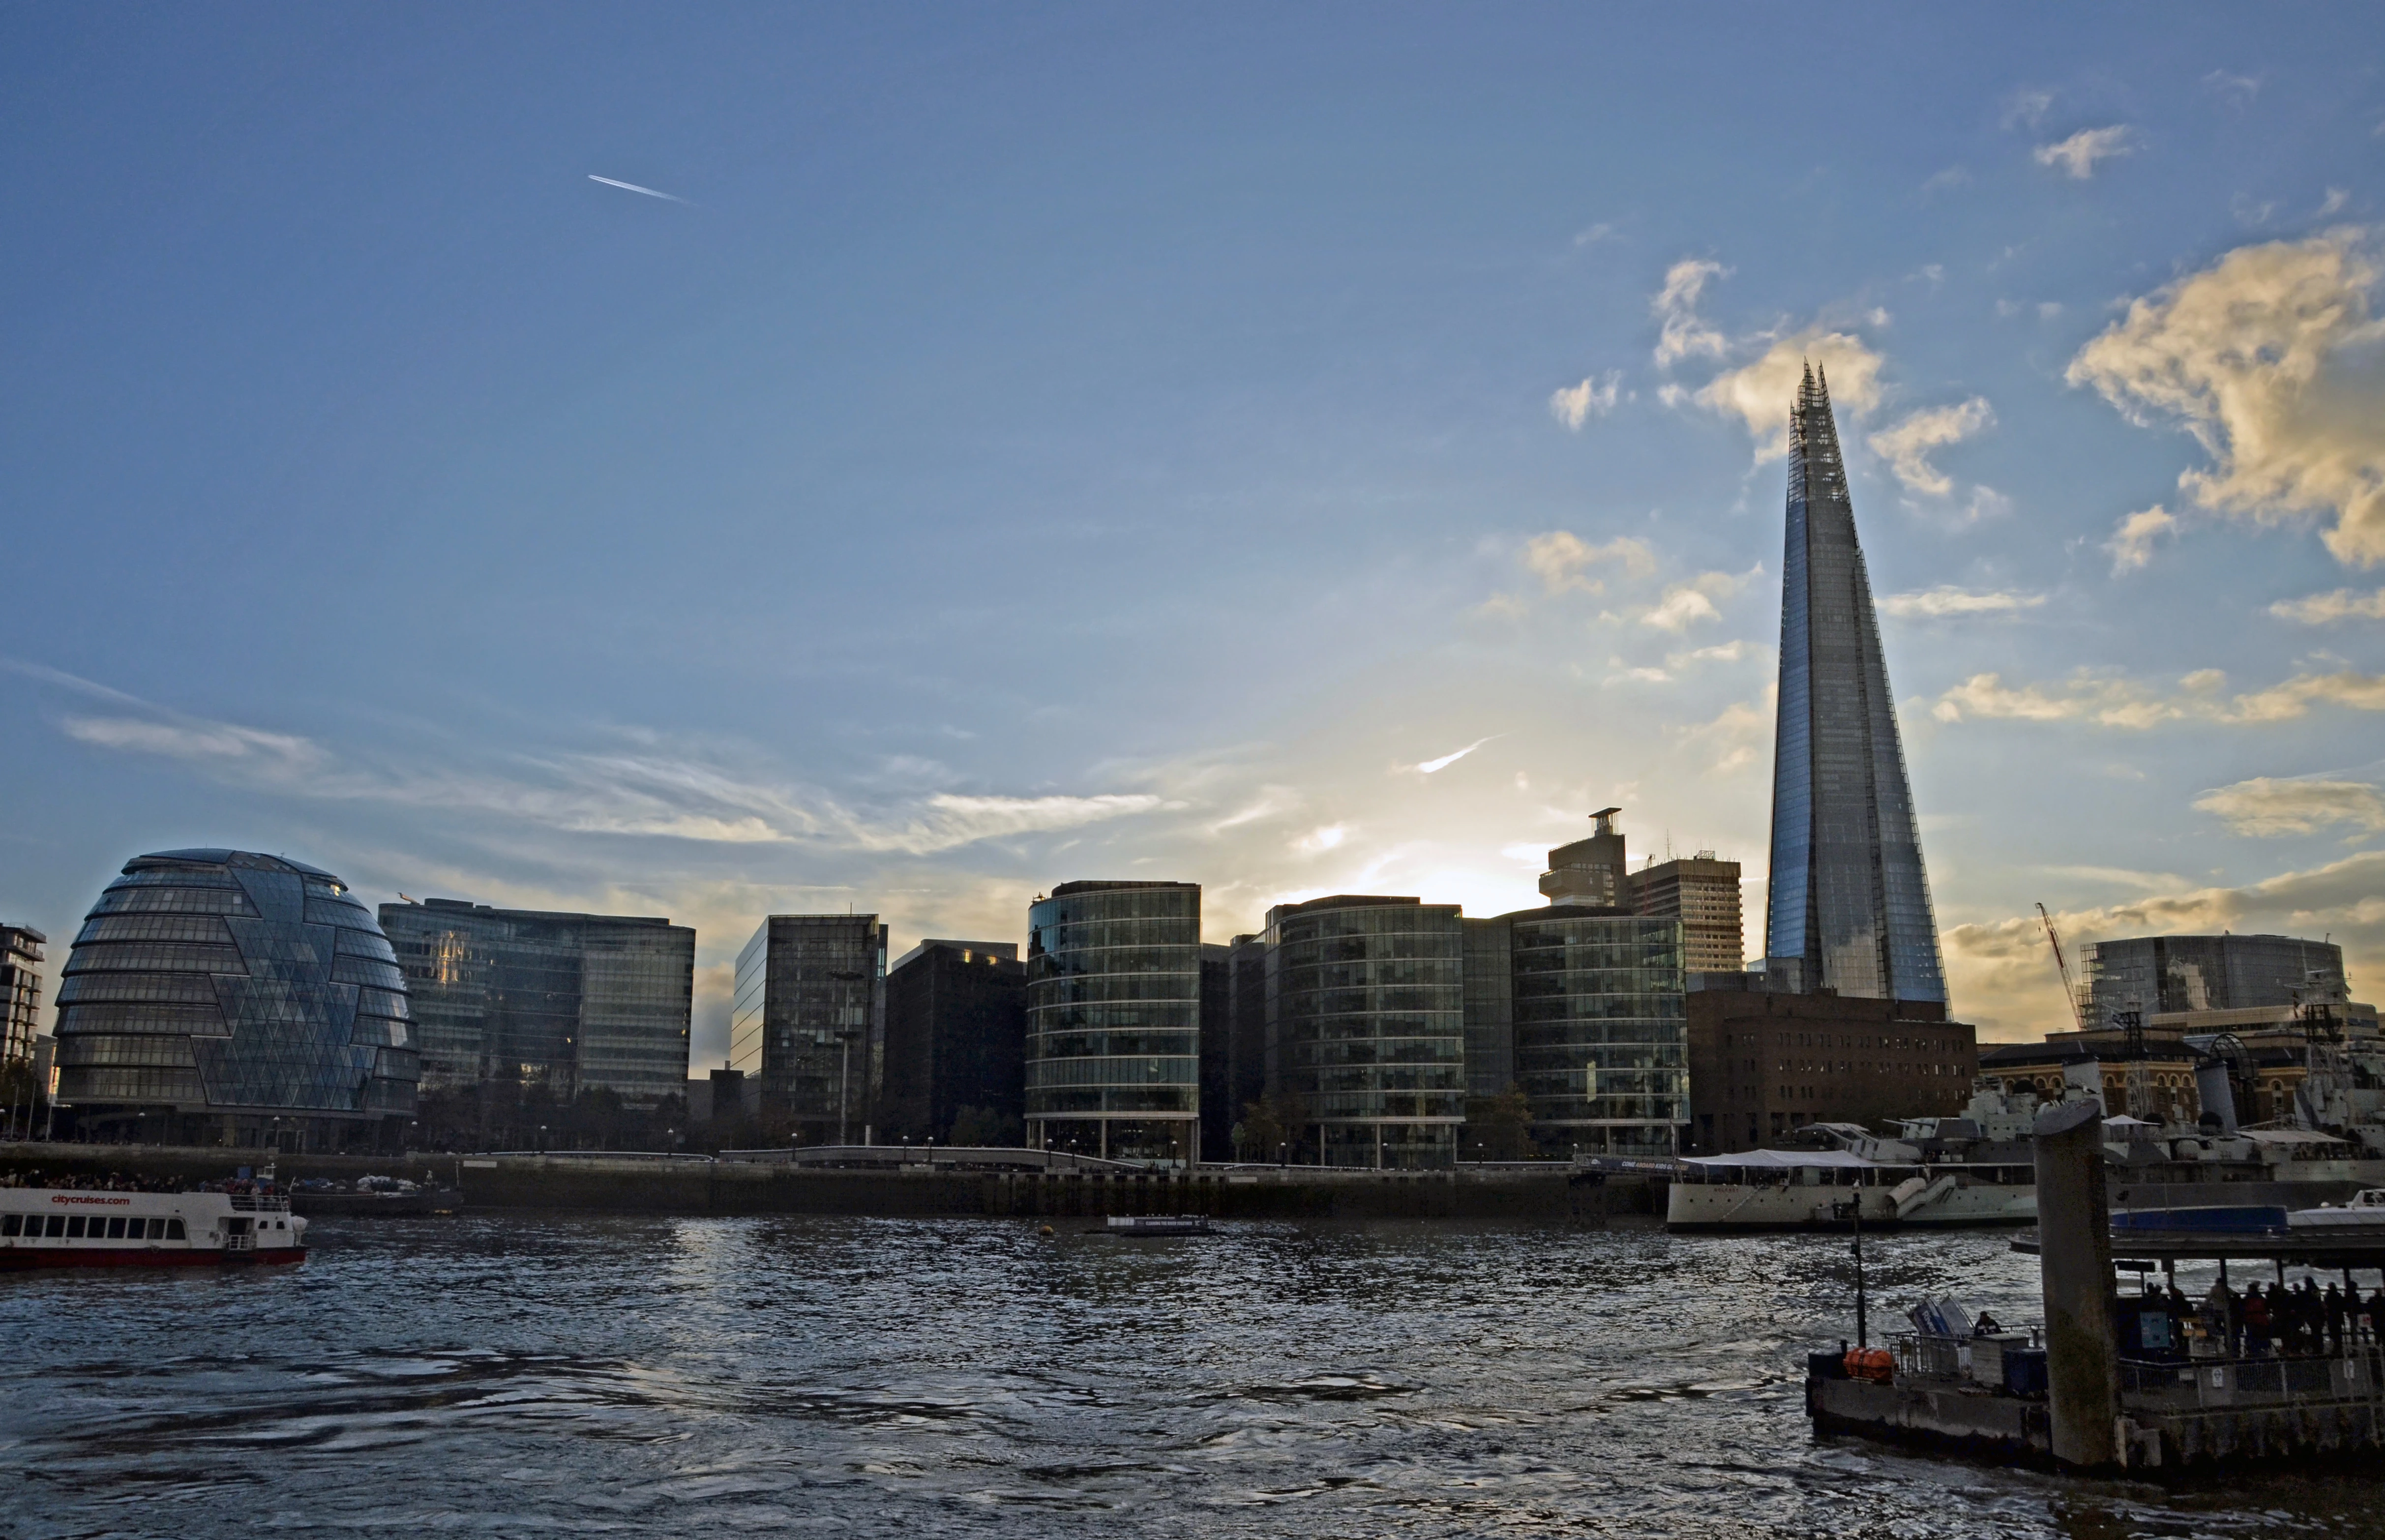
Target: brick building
x,y
1763,1064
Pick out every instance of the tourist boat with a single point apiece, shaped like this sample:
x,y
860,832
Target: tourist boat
x,y
1822,1189
83,1227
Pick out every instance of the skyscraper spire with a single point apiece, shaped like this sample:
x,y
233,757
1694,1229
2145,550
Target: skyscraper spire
x,y
1848,907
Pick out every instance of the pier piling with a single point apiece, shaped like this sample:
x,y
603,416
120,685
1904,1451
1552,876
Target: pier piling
x,y
2075,1251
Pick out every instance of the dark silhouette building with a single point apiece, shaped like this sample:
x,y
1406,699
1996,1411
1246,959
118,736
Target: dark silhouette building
x,y
808,1022
1764,1063
1848,908
955,1044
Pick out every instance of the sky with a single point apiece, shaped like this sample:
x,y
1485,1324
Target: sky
x,y
1293,449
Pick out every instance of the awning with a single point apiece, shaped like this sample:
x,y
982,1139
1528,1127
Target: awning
x,y
2288,1136
1784,1160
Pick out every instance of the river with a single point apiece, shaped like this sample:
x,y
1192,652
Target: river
x,y
535,1374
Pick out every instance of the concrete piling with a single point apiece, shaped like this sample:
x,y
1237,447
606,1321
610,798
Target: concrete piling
x,y
2074,1255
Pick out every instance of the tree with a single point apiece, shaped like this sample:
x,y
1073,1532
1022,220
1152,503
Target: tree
x,y
1265,1128
1500,1127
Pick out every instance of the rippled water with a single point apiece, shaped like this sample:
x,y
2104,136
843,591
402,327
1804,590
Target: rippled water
x,y
532,1376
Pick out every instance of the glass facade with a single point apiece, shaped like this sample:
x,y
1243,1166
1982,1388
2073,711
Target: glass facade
x,y
1367,998
217,996
2208,972
574,1002
1848,908
807,1020
1114,1020
1601,1043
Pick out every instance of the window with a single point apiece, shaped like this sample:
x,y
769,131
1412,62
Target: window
x,y
13,1225
115,1229
156,1229
58,1226
174,1230
74,1226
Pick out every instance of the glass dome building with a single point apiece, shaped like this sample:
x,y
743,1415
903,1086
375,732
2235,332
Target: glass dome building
x,y
227,997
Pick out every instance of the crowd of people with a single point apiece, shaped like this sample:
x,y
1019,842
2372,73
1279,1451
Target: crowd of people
x,y
80,1181
2278,1320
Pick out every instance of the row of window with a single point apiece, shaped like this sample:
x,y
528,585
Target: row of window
x,y
90,1228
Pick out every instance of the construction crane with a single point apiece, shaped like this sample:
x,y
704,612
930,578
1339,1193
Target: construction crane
x,y
2062,965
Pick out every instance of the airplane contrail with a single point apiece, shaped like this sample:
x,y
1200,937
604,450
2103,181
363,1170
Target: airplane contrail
x,y
633,186
1445,760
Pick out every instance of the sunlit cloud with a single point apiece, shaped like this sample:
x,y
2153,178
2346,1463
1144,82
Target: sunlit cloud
x,y
2079,154
1432,767
2265,807
1562,560
2325,609
1576,404
1907,445
2109,700
1946,602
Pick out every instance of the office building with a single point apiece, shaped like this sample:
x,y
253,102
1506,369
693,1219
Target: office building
x,y
1599,1052
955,1044
529,997
1114,1020
224,997
1366,1001
1489,996
2154,975
1233,1039
808,1021
1848,908
20,1029
1589,872
1702,893
1765,1064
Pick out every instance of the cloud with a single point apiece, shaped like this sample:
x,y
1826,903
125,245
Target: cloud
x,y
1682,333
1563,558
1728,651
2109,701
2270,359
1953,175
2078,154
1578,403
2265,807
2028,107
1603,230
2132,544
271,755
1906,446
1946,601
633,186
2334,201
1444,762
1761,392
1738,736
1318,840
2237,90
1683,604
2322,609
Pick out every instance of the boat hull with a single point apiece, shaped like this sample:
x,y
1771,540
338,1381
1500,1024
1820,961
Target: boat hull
x,y
28,1259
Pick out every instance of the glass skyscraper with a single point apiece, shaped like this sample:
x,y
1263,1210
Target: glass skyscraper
x,y
1600,1046
808,1021
223,997
1114,1020
1367,999
1848,908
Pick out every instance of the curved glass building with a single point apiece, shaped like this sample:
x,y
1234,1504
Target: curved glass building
x,y
227,997
1114,1020
1602,1046
1368,994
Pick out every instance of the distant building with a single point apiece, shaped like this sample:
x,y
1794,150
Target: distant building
x,y
1702,893
1849,904
1366,1001
1590,871
807,1022
956,1042
522,997
1599,1052
1218,1104
1764,1063
21,1028
1114,1020
2170,974
1489,1005
223,997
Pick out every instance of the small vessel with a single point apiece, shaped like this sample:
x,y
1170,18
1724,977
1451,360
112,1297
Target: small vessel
x,y
2364,1215
1159,1224
87,1227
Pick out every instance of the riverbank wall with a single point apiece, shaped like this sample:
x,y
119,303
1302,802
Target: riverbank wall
x,y
1558,1194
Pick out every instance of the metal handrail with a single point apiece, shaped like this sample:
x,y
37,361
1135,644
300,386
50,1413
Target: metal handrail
x,y
2358,1375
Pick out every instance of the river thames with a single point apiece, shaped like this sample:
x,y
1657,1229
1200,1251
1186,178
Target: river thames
x,y
532,1374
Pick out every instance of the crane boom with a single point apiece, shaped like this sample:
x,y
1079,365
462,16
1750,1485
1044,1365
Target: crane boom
x,y
2062,965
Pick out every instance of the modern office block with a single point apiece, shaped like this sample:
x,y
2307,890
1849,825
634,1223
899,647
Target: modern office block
x,y
1489,1005
1114,1020
21,1028
1702,893
526,997
224,997
1848,908
1765,1064
1367,997
1218,1104
1601,1049
956,1042
808,1022
2162,974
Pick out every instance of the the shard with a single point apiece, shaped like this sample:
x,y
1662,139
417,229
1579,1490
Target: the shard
x,y
1849,903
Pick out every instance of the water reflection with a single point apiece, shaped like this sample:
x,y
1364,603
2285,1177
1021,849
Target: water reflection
x,y
513,1373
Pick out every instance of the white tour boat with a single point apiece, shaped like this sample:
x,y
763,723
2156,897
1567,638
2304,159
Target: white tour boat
x,y
87,1227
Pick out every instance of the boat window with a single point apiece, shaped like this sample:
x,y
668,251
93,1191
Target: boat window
x,y
12,1225
115,1229
156,1229
174,1230
58,1226
74,1226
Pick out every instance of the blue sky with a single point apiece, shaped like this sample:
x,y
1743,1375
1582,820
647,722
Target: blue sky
x,y
1034,444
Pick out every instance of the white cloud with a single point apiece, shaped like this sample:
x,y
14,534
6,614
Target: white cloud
x,y
1682,333
2268,358
1444,762
1682,605
1603,230
2132,544
1760,393
1318,840
1953,175
2110,701
1562,560
1946,601
2028,107
1728,651
270,756
2321,609
2237,90
1738,736
1578,403
2077,155
1906,446
2263,806
2334,201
